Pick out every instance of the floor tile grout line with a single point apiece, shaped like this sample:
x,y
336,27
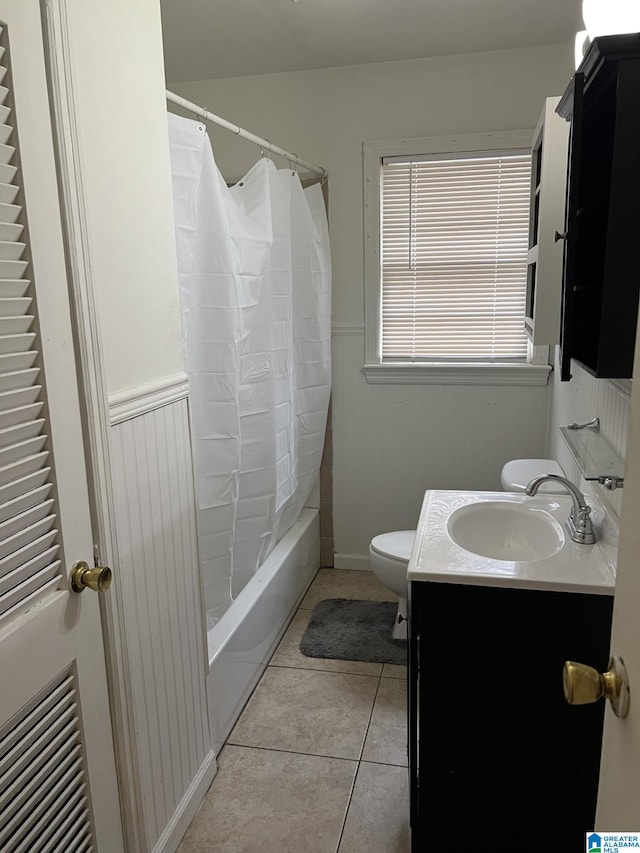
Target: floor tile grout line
x,y
329,671
364,740
294,752
348,806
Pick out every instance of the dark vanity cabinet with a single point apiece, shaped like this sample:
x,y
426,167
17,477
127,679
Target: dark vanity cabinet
x,y
601,281
497,759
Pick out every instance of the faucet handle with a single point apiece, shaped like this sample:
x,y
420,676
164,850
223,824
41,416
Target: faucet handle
x,y
580,526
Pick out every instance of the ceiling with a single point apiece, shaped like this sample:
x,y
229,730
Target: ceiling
x,y
204,39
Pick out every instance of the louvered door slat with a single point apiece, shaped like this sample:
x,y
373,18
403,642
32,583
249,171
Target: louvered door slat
x,y
19,433
9,230
24,520
44,824
34,809
33,732
16,325
12,362
21,450
36,710
22,467
8,212
19,397
23,484
20,414
17,558
17,343
7,171
25,537
10,250
18,379
25,501
31,567
10,306
34,758
68,828
29,587
12,269
80,843
7,152
26,604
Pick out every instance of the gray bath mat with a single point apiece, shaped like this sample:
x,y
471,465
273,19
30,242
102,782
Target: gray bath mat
x,y
347,629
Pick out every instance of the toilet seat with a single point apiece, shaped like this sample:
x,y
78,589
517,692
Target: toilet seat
x,y
394,546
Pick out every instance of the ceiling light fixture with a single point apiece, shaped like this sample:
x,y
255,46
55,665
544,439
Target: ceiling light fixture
x,y
606,18
610,17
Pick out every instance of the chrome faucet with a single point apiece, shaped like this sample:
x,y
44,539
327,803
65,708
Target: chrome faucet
x,y
578,525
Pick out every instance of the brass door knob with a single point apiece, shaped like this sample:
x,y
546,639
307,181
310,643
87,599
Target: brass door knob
x,y
83,576
584,684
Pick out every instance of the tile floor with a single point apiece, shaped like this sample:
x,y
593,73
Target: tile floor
x,y
317,761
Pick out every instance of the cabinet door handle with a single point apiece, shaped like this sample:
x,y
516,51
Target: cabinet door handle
x,y
583,685
560,235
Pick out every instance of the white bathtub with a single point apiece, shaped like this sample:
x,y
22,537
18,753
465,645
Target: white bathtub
x,y
243,640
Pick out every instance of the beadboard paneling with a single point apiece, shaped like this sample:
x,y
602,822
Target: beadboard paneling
x,y
156,534
579,400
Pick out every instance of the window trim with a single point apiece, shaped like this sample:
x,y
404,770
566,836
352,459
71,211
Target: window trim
x,y
533,372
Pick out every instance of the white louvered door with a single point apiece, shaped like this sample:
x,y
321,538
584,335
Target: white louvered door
x,y
58,791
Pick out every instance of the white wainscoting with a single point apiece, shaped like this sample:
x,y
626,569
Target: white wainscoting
x,y
580,400
158,566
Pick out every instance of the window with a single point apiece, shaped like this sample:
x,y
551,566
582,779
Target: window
x,y
449,274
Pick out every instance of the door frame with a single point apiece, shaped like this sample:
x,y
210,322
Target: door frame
x,y
94,408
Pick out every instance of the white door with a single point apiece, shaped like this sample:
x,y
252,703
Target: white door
x,y
58,787
619,790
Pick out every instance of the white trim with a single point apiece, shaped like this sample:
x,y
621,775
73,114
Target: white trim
x,y
457,374
372,154
93,398
353,562
124,405
187,807
344,329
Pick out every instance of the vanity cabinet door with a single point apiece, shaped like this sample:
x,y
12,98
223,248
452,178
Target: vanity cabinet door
x,y
502,760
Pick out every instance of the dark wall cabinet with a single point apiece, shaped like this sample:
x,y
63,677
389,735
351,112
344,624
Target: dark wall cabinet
x,y
497,760
601,281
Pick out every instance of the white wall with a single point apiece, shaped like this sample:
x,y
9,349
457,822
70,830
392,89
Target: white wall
x,y
393,442
116,53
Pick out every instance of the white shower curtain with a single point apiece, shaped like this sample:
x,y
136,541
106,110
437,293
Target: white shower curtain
x,y
255,289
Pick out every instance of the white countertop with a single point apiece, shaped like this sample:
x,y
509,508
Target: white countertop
x,y
436,557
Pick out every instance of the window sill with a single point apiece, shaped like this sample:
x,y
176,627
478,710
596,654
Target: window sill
x,y
441,373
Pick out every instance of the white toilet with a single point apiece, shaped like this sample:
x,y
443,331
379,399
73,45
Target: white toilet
x,y
389,552
518,473
389,555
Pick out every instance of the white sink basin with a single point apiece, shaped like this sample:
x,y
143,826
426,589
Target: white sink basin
x,y
507,539
504,530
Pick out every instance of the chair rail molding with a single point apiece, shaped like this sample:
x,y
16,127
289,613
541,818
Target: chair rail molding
x,y
124,405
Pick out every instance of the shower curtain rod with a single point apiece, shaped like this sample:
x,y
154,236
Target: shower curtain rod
x,y
245,134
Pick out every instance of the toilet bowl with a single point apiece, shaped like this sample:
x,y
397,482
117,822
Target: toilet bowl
x,y
389,556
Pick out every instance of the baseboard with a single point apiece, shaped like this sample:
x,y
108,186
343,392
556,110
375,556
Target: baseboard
x,y
188,806
356,562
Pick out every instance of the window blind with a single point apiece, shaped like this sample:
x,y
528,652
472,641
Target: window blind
x,y
454,258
